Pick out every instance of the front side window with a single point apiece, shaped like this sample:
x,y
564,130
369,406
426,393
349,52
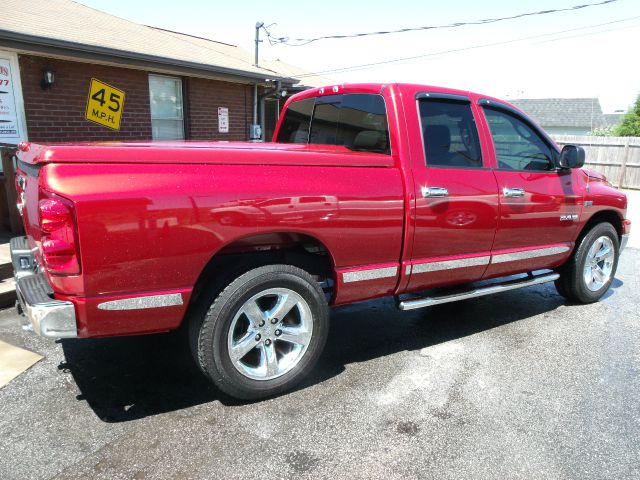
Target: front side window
x,y
167,117
355,121
517,145
450,134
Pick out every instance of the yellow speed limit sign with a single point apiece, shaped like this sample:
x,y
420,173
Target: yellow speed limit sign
x,y
104,105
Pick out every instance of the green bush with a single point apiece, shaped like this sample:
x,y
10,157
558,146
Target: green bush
x,y
630,126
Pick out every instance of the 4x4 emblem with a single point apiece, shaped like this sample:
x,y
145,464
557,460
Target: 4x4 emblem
x,y
568,218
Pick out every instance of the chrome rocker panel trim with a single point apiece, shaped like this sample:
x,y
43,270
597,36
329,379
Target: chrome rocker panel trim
x,y
369,274
433,265
426,267
527,254
143,302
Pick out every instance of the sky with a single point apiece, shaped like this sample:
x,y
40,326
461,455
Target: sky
x,y
591,52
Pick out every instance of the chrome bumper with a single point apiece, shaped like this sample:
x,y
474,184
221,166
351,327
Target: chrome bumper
x,y
623,241
48,317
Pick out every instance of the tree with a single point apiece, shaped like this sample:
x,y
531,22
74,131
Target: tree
x,y
630,126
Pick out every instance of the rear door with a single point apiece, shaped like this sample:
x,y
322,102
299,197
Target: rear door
x,y
456,196
539,204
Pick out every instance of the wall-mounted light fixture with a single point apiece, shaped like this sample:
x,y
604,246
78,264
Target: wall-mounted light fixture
x,y
48,77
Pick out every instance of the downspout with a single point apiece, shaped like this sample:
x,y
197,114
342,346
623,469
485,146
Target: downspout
x,y
261,98
255,106
262,119
252,135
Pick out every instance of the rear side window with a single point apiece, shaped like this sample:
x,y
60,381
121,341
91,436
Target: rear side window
x,y
450,134
295,126
356,121
326,115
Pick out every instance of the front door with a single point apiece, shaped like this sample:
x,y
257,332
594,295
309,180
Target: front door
x,y
456,204
539,204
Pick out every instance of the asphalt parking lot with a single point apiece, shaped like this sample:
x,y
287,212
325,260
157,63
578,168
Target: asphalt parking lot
x,y
518,385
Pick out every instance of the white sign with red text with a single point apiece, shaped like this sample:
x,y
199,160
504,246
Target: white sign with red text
x,y
9,125
223,120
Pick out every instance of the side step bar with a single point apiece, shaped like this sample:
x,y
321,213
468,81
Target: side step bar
x,y
479,292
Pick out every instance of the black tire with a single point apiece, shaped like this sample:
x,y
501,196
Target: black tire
x,y
572,284
210,334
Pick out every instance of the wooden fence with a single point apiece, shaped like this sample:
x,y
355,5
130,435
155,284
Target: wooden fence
x,y
616,157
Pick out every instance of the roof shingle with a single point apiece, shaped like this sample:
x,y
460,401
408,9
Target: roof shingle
x,y
73,25
563,112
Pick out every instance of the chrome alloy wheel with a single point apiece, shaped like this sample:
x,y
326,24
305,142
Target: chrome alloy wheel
x,y
599,263
270,334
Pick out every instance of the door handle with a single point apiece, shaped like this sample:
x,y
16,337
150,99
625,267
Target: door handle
x,y
434,192
513,192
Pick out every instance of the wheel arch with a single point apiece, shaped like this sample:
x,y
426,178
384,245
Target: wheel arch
x,y
245,253
610,216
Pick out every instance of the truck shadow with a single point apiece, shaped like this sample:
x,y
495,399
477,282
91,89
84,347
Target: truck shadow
x,y
129,378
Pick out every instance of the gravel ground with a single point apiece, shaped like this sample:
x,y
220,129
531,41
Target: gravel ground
x,y
518,385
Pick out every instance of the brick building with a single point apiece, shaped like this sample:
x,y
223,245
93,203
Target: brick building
x,y
58,113
63,63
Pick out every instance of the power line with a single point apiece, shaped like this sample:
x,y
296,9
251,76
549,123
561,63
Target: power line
x,y
461,49
298,42
587,34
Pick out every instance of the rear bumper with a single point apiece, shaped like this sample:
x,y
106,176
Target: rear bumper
x,y
48,317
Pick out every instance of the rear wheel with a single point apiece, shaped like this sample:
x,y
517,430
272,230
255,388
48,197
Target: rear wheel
x,y
263,333
590,271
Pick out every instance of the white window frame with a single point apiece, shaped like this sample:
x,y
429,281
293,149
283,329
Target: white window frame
x,y
181,117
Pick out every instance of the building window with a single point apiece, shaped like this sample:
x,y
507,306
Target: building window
x,y
167,117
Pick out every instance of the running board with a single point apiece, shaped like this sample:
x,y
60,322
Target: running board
x,y
479,292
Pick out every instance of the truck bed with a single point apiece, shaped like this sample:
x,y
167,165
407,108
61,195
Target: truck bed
x,y
185,152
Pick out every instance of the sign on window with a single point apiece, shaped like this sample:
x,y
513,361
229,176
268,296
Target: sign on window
x,y
9,129
223,120
104,105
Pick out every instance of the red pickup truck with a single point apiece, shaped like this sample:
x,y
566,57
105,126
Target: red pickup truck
x,y
428,194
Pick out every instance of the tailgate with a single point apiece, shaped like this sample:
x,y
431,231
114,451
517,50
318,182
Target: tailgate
x,y
27,192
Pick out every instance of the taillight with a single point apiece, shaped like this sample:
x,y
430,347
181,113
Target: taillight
x,y
59,242
53,214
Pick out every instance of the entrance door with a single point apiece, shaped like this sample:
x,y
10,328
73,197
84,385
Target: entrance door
x,y
539,204
456,197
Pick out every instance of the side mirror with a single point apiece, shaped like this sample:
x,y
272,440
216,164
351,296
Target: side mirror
x,y
571,156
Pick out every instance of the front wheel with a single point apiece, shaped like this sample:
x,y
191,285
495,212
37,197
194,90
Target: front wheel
x,y
263,333
590,271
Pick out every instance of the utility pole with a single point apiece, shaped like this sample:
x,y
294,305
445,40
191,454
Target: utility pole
x,y
259,25
254,127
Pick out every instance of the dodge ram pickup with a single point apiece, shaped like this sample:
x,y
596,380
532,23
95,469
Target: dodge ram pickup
x,y
426,194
